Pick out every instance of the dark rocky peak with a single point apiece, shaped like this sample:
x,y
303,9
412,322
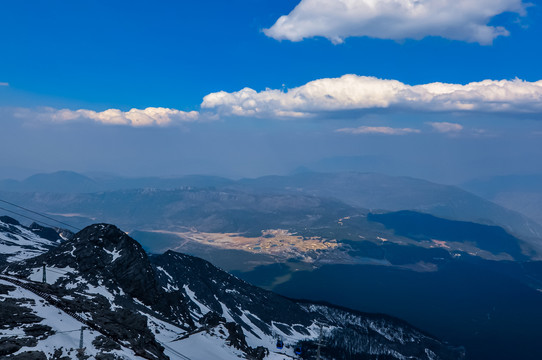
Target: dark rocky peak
x,y
104,260
52,234
102,255
106,236
9,225
104,251
108,246
9,220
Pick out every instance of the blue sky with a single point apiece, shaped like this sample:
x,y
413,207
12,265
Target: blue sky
x,y
64,63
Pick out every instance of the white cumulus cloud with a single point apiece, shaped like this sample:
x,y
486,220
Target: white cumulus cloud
x,y
151,116
446,127
352,92
383,130
464,20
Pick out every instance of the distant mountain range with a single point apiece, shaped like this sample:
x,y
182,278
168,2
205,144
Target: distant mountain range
x,y
72,182
252,205
392,193
522,193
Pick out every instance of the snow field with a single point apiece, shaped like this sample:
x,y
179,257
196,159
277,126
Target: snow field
x,y
67,329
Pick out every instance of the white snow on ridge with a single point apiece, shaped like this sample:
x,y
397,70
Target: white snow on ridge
x,y
165,272
256,337
225,311
115,254
212,344
203,346
200,346
170,287
52,273
21,243
100,290
192,295
18,253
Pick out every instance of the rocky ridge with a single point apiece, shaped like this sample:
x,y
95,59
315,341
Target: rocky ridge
x,y
167,306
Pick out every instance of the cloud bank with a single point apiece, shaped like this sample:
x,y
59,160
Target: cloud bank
x,y
327,98
352,92
151,116
464,20
446,127
382,130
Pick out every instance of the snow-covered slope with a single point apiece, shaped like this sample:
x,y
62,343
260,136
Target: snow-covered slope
x,y
180,307
18,242
31,324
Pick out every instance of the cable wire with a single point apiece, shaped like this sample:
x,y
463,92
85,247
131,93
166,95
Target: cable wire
x,y
40,214
27,217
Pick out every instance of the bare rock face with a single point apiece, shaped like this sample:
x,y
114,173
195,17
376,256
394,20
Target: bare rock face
x,y
27,355
104,343
13,314
12,344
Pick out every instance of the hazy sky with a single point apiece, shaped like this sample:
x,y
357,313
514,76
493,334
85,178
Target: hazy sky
x,y
444,90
